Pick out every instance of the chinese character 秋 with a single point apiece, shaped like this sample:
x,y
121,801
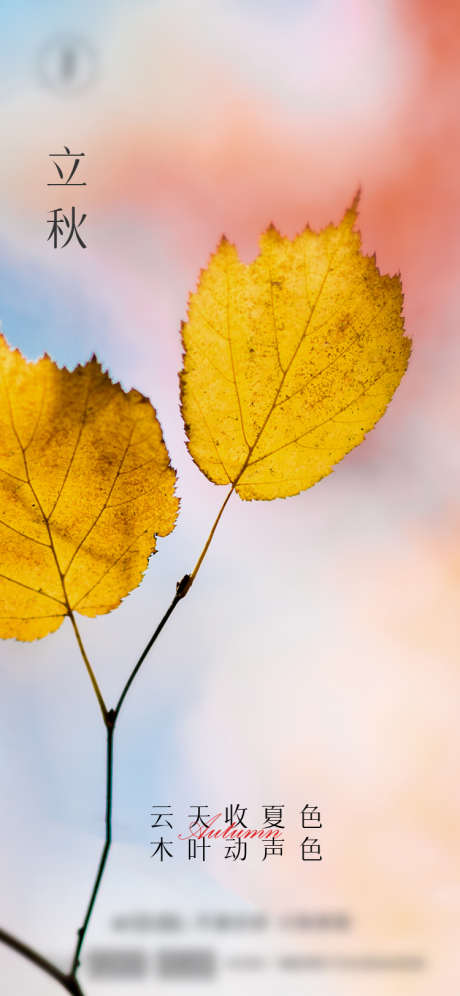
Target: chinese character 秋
x,y
57,230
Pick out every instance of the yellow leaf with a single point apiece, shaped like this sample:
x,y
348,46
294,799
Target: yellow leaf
x,y
85,487
289,360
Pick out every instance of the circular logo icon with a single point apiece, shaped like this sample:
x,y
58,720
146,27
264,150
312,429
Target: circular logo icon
x,y
67,65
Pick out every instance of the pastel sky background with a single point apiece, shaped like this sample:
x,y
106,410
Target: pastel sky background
x,y
316,659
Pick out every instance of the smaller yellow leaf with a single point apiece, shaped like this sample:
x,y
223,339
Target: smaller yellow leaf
x,y
86,485
289,360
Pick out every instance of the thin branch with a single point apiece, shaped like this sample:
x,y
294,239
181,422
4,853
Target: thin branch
x,y
183,587
69,982
110,724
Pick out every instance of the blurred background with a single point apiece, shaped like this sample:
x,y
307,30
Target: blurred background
x,y
316,658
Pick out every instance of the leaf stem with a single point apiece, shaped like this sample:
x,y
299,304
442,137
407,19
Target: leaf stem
x,y
89,669
211,534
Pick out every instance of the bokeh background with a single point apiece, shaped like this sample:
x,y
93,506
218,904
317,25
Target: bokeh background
x,y
316,658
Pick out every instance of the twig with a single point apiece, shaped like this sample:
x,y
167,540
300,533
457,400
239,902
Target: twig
x,y
110,725
110,717
69,982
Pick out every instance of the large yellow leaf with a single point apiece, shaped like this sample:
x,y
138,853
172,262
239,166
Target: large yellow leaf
x,y
289,360
85,487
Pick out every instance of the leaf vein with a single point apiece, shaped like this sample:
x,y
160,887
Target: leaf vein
x,y
74,452
233,363
219,458
108,569
208,321
275,324
104,506
24,535
36,591
314,428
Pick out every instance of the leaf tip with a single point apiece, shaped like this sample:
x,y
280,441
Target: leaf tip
x,y
351,212
356,199
271,234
